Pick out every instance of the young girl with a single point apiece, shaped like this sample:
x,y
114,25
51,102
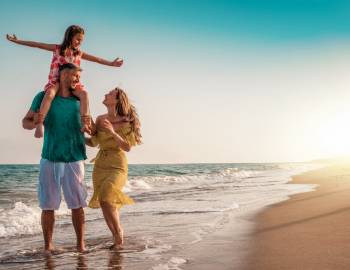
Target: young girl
x,y
68,52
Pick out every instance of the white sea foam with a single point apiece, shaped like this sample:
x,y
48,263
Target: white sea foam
x,y
137,184
236,173
155,248
149,182
172,264
21,219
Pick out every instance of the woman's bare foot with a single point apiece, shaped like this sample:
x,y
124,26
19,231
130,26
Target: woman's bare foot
x,y
119,237
39,131
49,249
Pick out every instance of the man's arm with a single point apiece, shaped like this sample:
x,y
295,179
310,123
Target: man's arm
x,y
28,122
88,140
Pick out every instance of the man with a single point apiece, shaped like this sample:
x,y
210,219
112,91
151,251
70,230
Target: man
x,y
62,158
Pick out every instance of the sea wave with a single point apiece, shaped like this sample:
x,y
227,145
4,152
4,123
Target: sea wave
x,y
23,219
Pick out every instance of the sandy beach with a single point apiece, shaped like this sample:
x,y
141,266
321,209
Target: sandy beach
x,y
309,231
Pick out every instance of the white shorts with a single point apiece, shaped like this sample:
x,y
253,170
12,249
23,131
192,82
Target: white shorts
x,y
69,176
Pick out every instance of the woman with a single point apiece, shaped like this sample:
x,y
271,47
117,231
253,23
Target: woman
x,y
116,132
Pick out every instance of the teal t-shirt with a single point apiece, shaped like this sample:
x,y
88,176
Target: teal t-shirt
x,y
63,140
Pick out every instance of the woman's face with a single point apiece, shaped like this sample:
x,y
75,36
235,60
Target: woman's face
x,y
77,40
110,98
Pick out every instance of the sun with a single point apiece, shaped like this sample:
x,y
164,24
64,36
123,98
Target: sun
x,y
333,135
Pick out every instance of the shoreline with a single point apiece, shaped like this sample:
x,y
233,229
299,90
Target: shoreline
x,y
308,231
231,244
222,242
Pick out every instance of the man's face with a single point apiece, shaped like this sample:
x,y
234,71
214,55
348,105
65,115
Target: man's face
x,y
70,78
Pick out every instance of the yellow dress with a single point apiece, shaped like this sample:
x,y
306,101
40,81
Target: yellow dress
x,y
110,171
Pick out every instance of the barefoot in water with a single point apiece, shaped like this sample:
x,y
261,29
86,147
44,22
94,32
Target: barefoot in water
x,y
49,249
39,131
119,238
81,248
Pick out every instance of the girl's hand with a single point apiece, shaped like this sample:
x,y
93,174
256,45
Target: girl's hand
x,y
107,125
117,62
12,38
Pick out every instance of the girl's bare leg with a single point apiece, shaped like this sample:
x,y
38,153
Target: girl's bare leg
x,y
111,216
84,110
44,109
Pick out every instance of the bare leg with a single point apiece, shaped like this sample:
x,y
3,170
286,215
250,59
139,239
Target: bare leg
x,y
47,224
78,219
44,109
111,216
84,109
108,219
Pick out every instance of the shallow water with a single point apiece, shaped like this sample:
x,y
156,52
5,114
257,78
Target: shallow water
x,y
177,206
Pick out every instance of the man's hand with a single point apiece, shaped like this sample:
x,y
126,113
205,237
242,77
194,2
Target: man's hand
x,y
28,122
93,128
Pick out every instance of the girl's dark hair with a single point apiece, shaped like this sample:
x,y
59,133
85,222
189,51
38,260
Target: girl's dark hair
x,y
68,36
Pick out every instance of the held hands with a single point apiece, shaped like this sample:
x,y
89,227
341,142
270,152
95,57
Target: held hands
x,y
93,128
118,62
12,38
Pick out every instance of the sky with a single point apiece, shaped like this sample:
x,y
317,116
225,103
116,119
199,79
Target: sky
x,y
213,81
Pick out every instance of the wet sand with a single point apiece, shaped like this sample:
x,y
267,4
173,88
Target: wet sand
x,y
309,231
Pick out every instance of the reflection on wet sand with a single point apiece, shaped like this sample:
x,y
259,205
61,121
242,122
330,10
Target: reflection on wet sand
x,y
49,262
115,260
81,263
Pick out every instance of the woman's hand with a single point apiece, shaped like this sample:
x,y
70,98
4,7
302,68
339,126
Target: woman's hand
x,y
118,62
12,38
107,126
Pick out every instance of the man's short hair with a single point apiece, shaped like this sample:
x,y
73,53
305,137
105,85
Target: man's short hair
x,y
69,66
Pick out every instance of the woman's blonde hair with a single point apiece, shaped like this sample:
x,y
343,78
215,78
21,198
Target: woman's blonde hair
x,y
125,108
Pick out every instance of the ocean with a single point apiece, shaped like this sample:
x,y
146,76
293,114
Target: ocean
x,y
177,207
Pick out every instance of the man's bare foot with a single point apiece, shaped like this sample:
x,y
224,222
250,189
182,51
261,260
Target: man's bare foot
x,y
39,131
81,248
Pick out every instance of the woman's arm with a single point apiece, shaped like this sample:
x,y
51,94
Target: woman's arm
x,y
115,63
88,142
28,122
44,46
121,142
106,125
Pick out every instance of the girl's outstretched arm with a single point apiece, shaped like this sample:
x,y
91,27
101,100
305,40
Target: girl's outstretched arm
x,y
115,63
44,46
